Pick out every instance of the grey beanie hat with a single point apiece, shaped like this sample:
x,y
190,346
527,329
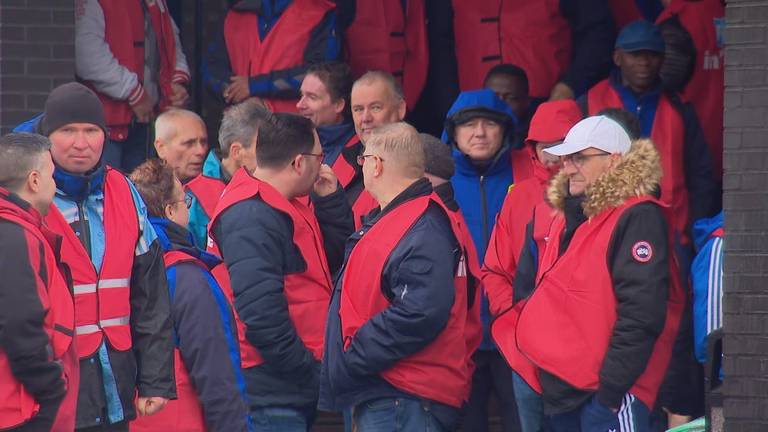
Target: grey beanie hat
x,y
438,160
71,103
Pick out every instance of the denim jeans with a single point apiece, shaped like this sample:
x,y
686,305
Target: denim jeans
x,y
592,416
396,415
279,419
529,405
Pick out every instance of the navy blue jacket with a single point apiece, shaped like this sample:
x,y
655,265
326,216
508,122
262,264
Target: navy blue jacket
x,y
425,260
204,328
288,377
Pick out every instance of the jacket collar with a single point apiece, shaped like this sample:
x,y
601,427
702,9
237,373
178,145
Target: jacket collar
x,y
419,188
11,203
78,187
174,237
500,163
446,194
637,174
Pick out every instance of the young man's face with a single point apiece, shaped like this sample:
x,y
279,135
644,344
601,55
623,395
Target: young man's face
x,y
316,103
639,69
511,90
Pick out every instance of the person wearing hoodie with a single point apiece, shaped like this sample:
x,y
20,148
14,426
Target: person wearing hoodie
x,y
480,128
210,391
523,211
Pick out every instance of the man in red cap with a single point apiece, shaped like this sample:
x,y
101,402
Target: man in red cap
x,y
523,211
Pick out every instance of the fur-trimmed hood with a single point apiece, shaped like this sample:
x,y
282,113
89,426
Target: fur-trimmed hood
x,y
637,174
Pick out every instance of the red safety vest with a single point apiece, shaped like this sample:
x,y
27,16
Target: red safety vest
x,y
207,190
383,37
283,47
124,33
441,371
668,134
529,33
185,413
102,300
17,405
566,325
704,21
307,293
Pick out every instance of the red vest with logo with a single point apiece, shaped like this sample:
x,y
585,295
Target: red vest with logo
x,y
207,190
566,326
704,21
442,370
16,404
382,37
184,414
307,293
102,299
668,134
124,33
282,48
529,33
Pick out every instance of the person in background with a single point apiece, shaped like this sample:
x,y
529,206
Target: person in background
x,y
510,83
181,140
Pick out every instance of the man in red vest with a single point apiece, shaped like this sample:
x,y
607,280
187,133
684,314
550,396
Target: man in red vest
x,y
602,320
397,352
129,52
181,140
280,254
123,330
38,361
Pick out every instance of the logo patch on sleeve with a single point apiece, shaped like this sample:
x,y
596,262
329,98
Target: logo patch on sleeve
x,y
642,251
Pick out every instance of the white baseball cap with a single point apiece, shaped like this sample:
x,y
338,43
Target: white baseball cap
x,y
599,132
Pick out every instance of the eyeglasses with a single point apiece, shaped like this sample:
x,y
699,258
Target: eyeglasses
x,y
320,155
579,159
187,201
361,158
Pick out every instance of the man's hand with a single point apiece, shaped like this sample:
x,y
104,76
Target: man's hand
x,y
147,406
144,110
561,91
326,182
237,90
180,96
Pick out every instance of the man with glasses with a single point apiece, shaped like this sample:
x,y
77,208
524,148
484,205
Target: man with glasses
x,y
280,255
600,325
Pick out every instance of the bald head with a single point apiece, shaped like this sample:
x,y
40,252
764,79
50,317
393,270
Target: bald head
x,y
400,145
377,99
181,140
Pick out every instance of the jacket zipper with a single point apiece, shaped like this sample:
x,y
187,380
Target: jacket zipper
x,y
484,207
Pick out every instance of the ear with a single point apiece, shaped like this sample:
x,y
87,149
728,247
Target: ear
x,y
160,148
168,210
339,106
401,110
617,57
33,181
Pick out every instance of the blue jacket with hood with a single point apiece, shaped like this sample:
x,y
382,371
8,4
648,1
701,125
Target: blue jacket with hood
x,y
480,189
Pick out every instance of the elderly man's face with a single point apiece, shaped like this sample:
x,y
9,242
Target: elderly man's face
x,y
585,167
479,138
77,147
373,105
185,151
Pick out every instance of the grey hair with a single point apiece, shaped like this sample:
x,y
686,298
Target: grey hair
x,y
165,128
19,155
402,144
241,123
395,89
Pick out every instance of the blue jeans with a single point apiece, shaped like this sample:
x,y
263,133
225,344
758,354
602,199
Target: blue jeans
x,y
278,419
396,415
592,416
529,405
127,155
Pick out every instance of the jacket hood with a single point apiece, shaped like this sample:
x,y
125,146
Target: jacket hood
x,y
703,228
552,121
637,174
479,103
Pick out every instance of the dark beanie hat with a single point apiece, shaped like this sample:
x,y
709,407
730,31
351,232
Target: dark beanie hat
x,y
438,160
71,103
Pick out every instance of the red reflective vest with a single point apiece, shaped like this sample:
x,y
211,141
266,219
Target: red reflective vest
x,y
124,33
668,134
529,33
307,293
102,300
282,48
184,414
704,21
346,173
207,190
383,37
16,404
442,370
566,326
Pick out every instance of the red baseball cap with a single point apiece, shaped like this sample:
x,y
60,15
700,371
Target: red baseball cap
x,y
552,121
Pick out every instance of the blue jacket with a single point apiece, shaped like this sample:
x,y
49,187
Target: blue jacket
x,y
29,125
480,191
204,328
409,324
707,279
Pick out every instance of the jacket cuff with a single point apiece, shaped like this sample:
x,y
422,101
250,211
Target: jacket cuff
x,y
610,397
136,95
180,77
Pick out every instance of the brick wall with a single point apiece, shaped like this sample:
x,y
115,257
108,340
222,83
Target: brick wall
x,y
36,54
746,217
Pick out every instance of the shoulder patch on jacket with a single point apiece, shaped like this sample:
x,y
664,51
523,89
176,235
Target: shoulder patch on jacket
x,y
642,251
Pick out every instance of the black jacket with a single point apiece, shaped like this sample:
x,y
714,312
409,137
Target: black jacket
x,y
257,244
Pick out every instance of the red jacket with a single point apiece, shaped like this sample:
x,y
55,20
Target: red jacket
x,y
384,37
704,20
669,136
124,33
102,300
207,190
529,33
565,327
441,371
307,293
282,48
17,405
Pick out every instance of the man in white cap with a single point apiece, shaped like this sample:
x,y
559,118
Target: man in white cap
x,y
601,323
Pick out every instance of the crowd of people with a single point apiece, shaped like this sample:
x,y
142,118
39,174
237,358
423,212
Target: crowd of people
x,y
323,255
